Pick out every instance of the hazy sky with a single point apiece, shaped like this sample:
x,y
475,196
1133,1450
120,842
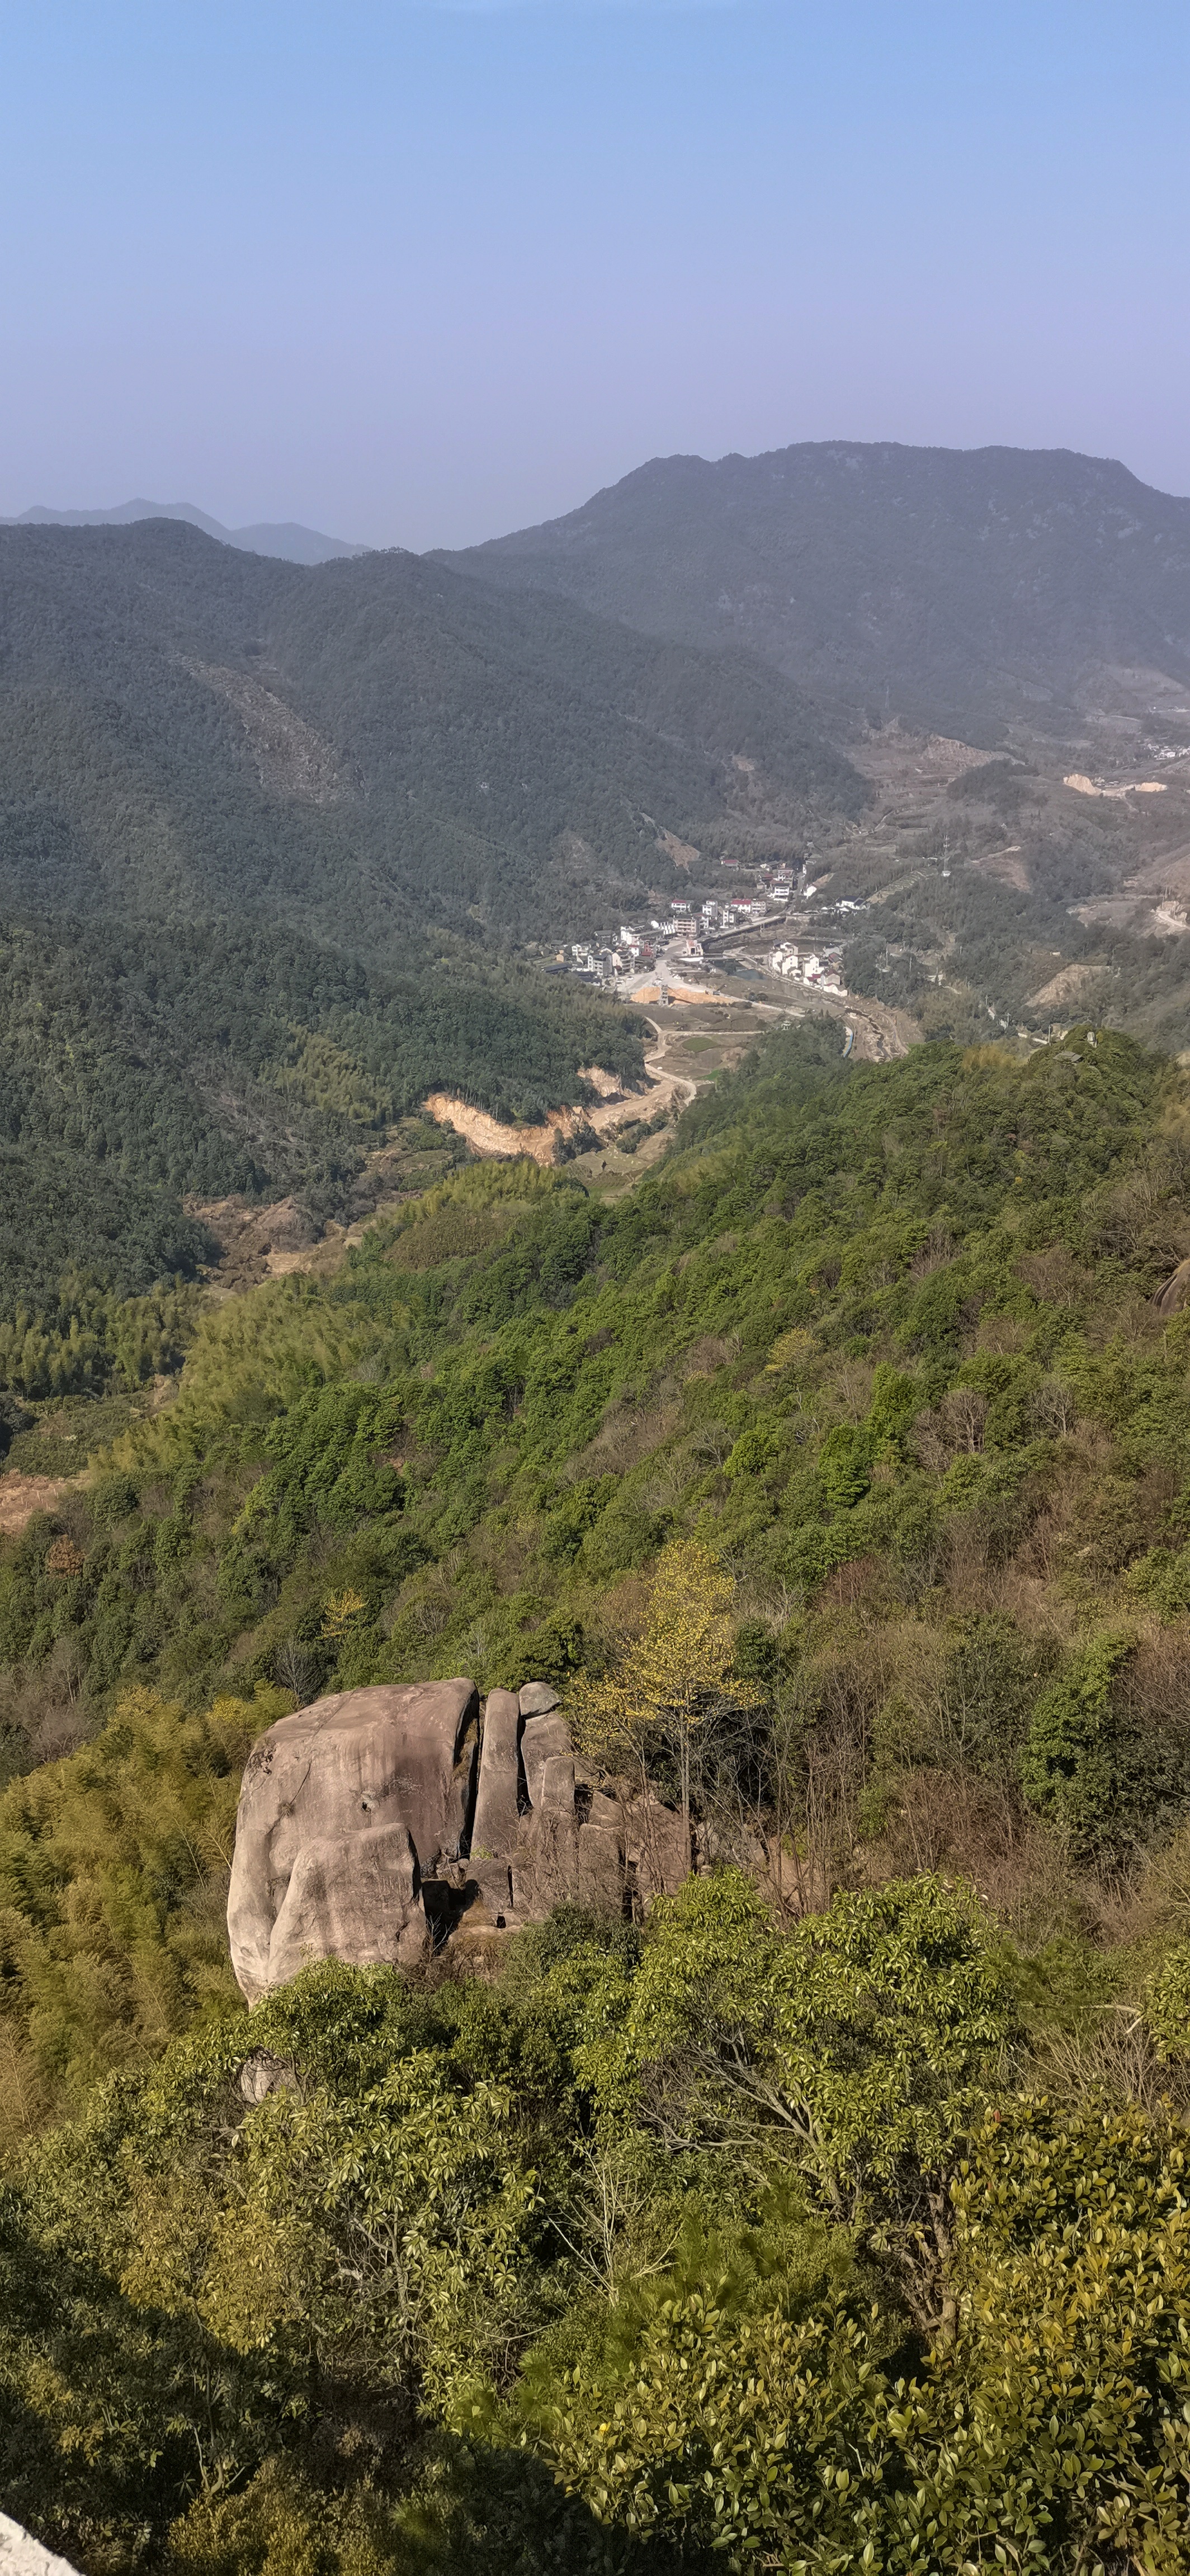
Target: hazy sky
x,y
417,272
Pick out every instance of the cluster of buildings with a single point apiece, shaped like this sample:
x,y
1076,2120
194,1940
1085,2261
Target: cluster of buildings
x,y
636,947
599,965
639,946
820,970
739,913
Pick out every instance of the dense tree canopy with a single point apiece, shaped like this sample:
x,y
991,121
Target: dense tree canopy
x,y
834,2211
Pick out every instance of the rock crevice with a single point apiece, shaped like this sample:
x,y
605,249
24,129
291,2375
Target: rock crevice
x,y
379,1823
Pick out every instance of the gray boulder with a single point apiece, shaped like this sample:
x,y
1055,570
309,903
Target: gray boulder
x,y
351,1896
537,1699
542,1740
22,2555
364,1833
344,1808
262,2073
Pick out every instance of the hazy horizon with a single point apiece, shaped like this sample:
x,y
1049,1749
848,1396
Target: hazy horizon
x,y
448,267
83,513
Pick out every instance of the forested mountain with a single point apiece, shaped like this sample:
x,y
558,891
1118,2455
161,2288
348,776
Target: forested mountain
x,y
265,836
832,2210
951,587
360,749
836,2212
142,1062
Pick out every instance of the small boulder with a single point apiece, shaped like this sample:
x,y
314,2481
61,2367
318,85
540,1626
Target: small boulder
x,y
262,2073
537,1699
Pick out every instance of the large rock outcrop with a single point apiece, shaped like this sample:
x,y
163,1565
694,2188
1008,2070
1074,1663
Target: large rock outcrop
x,y
368,1829
1174,1293
345,1808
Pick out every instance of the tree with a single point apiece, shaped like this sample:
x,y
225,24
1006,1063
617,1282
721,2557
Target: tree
x,y
863,2045
671,1682
1049,2434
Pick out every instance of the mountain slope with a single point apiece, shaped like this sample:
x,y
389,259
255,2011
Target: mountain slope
x,y
266,834
942,585
285,538
140,1062
362,748
838,1475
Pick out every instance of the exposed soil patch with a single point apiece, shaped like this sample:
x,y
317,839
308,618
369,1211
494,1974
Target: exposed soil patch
x,y
1084,786
486,1135
651,993
22,1496
256,1242
1064,987
291,759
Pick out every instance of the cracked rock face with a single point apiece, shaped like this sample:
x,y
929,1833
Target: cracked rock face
x,y
344,1808
378,1821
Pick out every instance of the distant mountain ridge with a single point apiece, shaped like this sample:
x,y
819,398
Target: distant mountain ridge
x,y
284,539
950,586
363,746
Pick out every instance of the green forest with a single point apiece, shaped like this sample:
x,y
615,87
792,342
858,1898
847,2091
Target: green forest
x,y
834,2214
139,1062
283,850
364,752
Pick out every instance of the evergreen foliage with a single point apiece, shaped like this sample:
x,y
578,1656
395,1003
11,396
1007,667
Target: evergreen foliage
x,y
138,1062
361,750
834,2213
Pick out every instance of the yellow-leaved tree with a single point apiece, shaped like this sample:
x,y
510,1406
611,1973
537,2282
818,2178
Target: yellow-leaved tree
x,y
670,1681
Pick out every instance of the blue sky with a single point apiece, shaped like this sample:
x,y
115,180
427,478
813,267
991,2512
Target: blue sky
x,y
422,271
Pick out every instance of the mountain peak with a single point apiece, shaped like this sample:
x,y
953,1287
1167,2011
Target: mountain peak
x,y
285,539
953,586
